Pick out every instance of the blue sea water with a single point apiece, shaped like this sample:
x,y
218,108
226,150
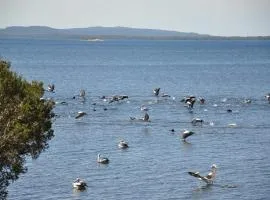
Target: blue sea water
x,y
224,72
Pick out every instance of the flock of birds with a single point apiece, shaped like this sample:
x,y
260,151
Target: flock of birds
x,y
189,103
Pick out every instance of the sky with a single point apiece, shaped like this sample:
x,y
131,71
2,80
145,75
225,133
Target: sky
x,y
214,17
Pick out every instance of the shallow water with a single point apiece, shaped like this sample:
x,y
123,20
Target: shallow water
x,y
155,166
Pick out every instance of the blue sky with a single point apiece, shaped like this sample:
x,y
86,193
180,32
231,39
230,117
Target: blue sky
x,y
215,17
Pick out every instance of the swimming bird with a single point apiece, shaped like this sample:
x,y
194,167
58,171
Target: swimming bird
x,y
144,108
156,91
186,134
165,95
123,144
50,88
196,121
209,178
79,184
80,114
190,101
82,93
267,97
102,160
146,117
202,100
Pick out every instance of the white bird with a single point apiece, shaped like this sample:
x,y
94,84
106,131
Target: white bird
x,y
82,93
123,144
144,108
102,160
80,114
79,184
186,134
209,178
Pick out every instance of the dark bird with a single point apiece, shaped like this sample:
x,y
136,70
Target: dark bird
x,y
156,91
190,101
202,100
186,134
50,88
146,117
80,114
209,178
196,121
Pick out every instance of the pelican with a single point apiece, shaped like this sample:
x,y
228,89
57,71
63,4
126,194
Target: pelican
x,y
102,160
186,134
80,114
156,91
209,178
79,184
123,144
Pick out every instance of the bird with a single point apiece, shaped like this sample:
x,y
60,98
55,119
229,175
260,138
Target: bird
x,y
267,96
146,117
50,88
102,160
202,100
82,93
123,144
156,91
79,184
144,108
209,178
186,134
80,114
190,101
196,121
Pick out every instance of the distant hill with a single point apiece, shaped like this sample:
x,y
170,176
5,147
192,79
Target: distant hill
x,y
92,32
99,32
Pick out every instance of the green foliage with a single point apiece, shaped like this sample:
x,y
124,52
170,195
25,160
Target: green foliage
x,y
25,124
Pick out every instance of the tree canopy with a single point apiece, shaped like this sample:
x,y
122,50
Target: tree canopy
x,y
25,124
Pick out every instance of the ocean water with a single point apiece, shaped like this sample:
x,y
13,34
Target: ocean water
x,y
155,166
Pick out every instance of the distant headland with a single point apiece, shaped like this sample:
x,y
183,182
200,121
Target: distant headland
x,y
102,33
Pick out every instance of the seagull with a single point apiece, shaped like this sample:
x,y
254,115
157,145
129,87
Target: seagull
x,y
102,160
123,144
209,178
156,91
80,114
186,134
79,184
